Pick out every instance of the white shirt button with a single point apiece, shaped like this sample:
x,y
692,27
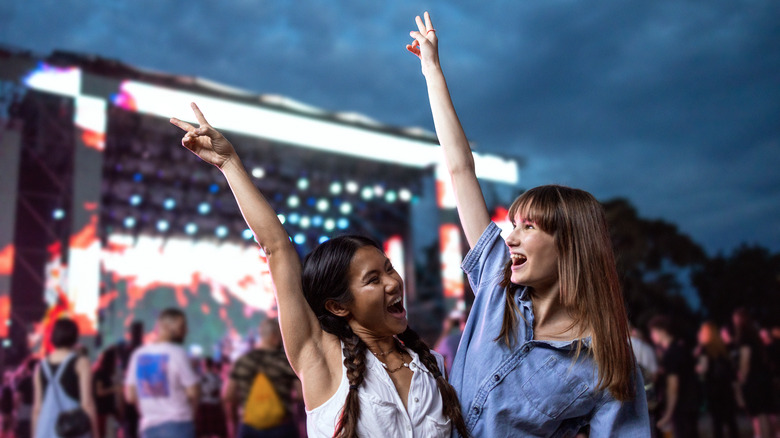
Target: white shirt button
x,y
416,400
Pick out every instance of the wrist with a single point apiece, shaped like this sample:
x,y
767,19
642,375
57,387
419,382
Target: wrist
x,y
232,165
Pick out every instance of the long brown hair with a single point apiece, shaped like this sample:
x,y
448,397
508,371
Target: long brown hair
x,y
326,278
589,286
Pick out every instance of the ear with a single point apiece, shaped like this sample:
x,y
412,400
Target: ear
x,y
336,309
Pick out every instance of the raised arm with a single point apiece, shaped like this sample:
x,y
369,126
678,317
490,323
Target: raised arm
x,y
301,332
474,216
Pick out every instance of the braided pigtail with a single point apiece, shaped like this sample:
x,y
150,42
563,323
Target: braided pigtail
x,y
449,398
355,362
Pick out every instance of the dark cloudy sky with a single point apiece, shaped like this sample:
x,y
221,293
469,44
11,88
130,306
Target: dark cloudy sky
x,y
673,104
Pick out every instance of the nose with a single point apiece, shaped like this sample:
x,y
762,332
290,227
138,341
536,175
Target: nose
x,y
393,283
513,239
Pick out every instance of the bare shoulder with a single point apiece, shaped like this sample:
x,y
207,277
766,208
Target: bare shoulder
x,y
321,372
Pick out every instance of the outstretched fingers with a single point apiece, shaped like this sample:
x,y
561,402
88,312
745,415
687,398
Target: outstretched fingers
x,y
184,126
428,22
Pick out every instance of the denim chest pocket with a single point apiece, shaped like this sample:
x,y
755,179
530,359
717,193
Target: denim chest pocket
x,y
552,388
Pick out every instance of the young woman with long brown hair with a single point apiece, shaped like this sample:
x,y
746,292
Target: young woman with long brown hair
x,y
364,372
546,348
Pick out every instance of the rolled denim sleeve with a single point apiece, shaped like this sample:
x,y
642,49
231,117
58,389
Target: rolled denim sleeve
x,y
622,419
486,260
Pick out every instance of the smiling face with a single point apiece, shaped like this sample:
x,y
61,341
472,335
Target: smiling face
x,y
377,306
534,255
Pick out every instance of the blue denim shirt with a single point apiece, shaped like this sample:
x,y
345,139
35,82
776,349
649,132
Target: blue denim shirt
x,y
533,388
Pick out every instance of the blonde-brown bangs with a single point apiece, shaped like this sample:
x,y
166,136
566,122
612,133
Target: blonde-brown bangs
x,y
541,206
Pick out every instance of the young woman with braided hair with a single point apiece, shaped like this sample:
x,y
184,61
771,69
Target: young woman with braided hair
x,y
364,372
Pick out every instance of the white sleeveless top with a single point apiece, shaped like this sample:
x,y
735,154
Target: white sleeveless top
x,y
382,412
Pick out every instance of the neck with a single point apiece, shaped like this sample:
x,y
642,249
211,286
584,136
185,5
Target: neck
x,y
547,305
376,344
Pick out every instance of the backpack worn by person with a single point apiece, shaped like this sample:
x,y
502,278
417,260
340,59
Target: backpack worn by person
x,y
264,409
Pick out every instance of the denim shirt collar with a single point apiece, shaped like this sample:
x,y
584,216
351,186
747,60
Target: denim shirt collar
x,y
526,306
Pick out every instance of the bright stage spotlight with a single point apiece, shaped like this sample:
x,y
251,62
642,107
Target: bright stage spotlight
x,y
247,234
163,225
345,208
323,239
303,183
352,187
191,228
293,201
405,195
379,190
135,200
335,187
169,203
343,223
367,193
305,222
391,196
58,213
323,204
299,238
329,225
258,172
129,222
281,218
294,218
221,231
316,221
204,208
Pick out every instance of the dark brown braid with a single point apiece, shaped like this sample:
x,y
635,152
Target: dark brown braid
x,y
451,405
355,362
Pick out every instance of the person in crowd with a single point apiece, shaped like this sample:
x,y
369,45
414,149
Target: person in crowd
x,y
647,362
677,383
107,385
269,362
130,416
363,370
211,421
452,329
717,374
23,397
62,382
753,374
161,382
546,347
7,404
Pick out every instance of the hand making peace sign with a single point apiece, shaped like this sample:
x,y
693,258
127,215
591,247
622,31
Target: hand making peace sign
x,y
426,44
205,141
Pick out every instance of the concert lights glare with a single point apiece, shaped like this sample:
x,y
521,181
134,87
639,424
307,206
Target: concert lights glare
x,y
247,234
293,201
367,193
58,213
405,195
379,190
352,187
303,183
391,196
258,172
316,221
191,228
169,203
294,218
281,218
323,239
335,187
135,200
323,204
329,224
345,208
221,231
299,238
162,225
343,223
305,222
204,208
129,222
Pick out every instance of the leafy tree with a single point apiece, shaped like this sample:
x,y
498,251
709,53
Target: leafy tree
x,y
652,257
749,277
